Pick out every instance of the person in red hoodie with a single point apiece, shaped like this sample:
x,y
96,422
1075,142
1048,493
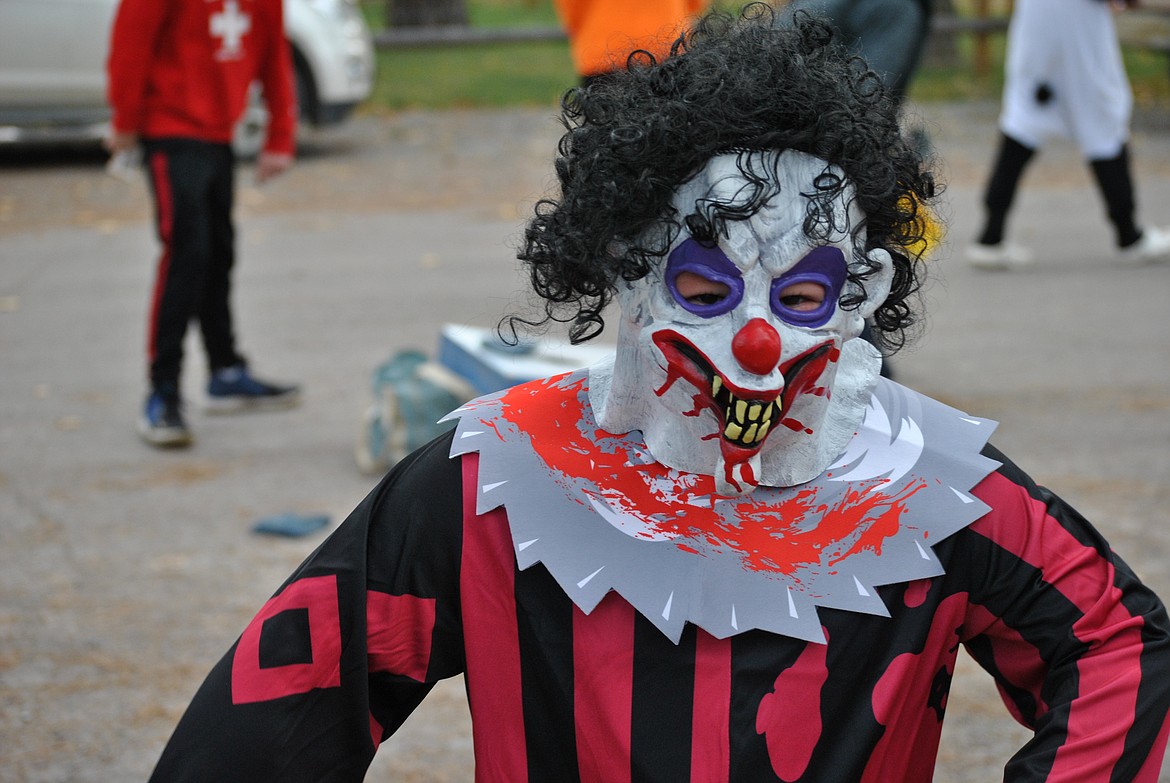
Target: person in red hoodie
x,y
179,74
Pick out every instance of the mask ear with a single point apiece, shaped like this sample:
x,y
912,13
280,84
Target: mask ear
x,y
877,287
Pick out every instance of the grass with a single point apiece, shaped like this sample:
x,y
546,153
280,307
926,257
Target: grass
x,y
488,75
1149,73
475,75
537,73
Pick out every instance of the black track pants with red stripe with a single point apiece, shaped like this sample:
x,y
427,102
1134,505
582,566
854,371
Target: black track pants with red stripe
x,y
192,183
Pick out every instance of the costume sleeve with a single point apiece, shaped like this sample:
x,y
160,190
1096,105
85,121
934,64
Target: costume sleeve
x,y
1079,647
133,39
339,657
276,79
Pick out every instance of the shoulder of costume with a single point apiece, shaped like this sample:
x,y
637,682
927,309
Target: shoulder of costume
x,y
601,514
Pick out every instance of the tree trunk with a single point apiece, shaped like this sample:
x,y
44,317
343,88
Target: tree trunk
x,y
426,13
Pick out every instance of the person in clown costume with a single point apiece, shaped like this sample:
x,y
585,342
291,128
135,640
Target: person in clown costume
x,y
733,551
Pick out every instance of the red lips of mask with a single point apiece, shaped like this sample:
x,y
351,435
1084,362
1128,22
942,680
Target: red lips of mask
x,y
746,417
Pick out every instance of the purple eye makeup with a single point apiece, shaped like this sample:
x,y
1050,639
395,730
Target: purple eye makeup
x,y
711,264
824,267
719,287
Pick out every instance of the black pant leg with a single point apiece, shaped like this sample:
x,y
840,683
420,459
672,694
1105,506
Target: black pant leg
x,y
1010,162
1116,185
179,178
215,311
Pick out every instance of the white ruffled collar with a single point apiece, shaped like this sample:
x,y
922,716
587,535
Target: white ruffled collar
x,y
602,515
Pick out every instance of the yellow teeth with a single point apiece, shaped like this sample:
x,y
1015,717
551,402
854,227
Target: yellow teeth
x,y
747,421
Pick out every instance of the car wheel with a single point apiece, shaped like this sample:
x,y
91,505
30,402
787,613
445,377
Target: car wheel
x,y
306,90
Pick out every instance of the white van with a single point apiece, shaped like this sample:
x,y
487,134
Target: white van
x,y
53,55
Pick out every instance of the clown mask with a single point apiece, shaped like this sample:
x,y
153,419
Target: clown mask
x,y
736,359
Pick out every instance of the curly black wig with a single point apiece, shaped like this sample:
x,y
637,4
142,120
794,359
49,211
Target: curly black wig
x,y
729,85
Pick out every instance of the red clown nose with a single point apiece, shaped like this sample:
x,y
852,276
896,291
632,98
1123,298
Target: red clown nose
x,y
757,347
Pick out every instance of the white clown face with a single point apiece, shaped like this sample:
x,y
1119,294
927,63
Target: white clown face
x,y
737,360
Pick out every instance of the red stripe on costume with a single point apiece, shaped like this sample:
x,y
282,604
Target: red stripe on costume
x,y
166,221
487,587
399,629
792,734
376,731
603,689
909,700
711,721
1015,657
1110,672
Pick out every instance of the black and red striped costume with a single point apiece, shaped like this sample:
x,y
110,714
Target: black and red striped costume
x,y
415,587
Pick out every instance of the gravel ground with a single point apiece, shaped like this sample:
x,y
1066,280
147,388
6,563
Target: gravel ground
x,y
125,573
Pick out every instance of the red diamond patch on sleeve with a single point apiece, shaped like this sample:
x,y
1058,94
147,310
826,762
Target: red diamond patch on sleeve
x,y
253,683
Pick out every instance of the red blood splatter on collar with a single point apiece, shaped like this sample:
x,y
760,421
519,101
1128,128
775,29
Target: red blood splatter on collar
x,y
767,534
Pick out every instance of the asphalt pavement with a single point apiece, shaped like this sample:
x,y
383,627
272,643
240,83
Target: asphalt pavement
x,y
125,572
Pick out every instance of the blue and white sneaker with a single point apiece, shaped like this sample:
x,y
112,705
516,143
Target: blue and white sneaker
x,y
234,389
162,422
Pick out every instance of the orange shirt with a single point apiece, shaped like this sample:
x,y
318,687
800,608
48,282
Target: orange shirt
x,y
602,33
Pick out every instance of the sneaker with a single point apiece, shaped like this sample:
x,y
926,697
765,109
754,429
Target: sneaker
x,y
1001,256
234,389
1154,246
162,422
